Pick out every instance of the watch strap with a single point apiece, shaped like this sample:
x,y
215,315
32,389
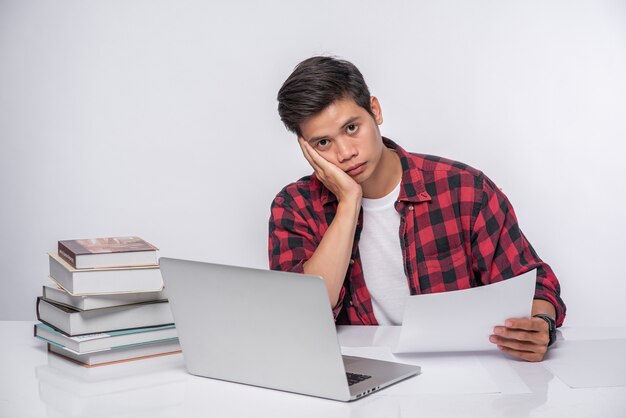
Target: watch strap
x,y
551,327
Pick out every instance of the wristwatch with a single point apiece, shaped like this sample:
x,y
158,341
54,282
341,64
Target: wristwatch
x,y
551,326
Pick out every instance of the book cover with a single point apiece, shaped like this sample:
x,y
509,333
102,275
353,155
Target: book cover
x,y
105,252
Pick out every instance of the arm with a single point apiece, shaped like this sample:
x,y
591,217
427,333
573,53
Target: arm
x,y
501,251
330,259
292,245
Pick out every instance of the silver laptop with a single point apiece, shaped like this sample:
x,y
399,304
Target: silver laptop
x,y
267,328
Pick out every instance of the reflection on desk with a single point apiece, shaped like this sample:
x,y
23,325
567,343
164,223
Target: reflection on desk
x,y
36,384
68,390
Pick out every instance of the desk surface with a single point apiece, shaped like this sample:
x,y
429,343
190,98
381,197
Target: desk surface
x,y
35,384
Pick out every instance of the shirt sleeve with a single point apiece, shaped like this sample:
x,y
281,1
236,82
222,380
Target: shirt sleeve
x,y
292,241
501,251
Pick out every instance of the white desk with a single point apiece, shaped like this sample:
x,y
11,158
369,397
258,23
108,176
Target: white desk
x,y
35,384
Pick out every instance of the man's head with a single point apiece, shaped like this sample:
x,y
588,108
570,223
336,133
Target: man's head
x,y
316,83
326,102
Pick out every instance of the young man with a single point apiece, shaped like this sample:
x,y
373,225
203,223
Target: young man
x,y
378,223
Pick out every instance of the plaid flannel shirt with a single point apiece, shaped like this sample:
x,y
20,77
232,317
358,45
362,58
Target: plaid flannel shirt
x,y
457,230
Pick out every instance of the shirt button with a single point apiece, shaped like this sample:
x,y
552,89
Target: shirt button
x,y
351,304
351,261
411,207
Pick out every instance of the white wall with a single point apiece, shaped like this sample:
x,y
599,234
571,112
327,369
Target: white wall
x,y
158,119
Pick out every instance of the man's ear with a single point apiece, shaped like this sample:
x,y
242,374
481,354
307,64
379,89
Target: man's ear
x,y
377,110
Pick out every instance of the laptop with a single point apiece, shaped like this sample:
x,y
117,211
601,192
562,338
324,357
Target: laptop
x,y
267,328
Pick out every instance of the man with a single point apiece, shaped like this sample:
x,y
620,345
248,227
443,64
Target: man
x,y
378,223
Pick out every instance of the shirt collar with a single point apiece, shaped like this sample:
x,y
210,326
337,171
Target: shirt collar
x,y
412,187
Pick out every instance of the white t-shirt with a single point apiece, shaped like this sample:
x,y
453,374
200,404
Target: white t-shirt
x,y
381,256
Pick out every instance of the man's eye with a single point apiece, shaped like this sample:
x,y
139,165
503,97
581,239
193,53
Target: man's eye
x,y
352,128
322,143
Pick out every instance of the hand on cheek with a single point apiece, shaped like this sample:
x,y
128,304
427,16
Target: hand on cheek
x,y
335,179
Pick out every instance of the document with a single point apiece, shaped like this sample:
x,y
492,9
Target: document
x,y
463,320
588,364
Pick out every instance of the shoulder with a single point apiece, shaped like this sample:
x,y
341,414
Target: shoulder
x,y
432,165
299,193
435,164
439,173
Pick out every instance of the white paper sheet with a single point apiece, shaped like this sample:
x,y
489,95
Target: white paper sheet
x,y
463,320
588,364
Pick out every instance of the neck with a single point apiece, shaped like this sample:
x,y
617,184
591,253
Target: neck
x,y
387,176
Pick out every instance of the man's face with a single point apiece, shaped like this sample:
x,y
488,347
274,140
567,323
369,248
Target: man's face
x,y
347,136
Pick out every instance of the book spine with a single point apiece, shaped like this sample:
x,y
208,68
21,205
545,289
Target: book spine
x,y
37,309
66,254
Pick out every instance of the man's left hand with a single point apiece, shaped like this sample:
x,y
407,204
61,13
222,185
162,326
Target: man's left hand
x,y
525,338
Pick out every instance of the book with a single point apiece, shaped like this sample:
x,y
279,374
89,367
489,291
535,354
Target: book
x,y
107,252
73,322
57,294
106,280
100,358
106,340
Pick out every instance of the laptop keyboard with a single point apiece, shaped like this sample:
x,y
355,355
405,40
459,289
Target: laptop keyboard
x,y
354,378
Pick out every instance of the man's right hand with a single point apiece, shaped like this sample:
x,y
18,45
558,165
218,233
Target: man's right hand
x,y
334,178
332,256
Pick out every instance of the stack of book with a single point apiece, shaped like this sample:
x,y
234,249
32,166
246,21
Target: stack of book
x,y
105,302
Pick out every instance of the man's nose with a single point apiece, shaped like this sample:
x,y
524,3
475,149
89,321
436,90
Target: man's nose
x,y
345,150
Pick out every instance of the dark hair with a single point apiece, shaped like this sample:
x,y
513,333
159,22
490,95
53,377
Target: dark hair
x,y
314,84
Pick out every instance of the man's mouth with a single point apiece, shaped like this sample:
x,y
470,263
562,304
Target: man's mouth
x,y
357,169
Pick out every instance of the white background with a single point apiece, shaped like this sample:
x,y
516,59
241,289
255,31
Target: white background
x,y
158,119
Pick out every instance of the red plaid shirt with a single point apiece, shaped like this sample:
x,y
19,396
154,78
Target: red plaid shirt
x,y
457,230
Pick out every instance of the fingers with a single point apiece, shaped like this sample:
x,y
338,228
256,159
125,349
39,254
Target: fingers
x,y
525,338
528,343
307,151
321,167
530,324
524,355
519,335
317,161
534,330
